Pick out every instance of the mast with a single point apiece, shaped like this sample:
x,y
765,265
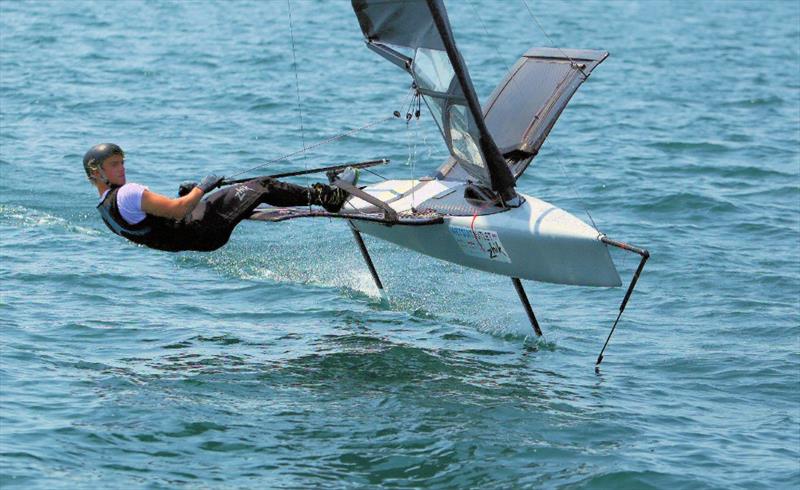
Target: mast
x,y
502,181
441,78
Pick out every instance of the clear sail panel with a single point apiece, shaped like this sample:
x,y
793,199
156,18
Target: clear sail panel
x,y
464,136
434,76
391,27
432,70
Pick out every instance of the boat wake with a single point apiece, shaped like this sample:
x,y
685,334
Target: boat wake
x,y
17,216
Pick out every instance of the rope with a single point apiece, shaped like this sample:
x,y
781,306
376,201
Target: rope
x,y
412,142
413,168
297,93
475,215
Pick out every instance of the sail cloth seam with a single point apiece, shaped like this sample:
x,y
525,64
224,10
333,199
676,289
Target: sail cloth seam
x,y
442,95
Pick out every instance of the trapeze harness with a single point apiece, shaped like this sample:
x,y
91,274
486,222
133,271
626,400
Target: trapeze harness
x,y
210,224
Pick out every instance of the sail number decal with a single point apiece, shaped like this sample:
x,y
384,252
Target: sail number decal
x,y
480,243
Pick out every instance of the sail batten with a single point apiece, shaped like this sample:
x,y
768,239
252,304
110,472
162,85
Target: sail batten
x,y
390,54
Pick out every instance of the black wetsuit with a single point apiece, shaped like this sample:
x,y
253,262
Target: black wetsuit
x,y
210,224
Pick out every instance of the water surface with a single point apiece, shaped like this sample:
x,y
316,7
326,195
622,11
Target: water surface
x,y
273,363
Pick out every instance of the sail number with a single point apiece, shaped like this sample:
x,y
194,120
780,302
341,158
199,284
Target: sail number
x,y
480,243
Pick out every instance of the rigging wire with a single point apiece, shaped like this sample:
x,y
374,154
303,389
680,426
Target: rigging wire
x,y
575,65
489,36
573,62
412,149
405,101
574,193
329,140
483,25
410,98
376,174
297,93
317,144
514,82
585,76
395,115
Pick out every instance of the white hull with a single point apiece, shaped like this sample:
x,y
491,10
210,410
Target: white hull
x,y
536,241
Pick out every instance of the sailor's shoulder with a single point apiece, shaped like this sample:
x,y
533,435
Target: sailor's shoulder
x,y
132,187
130,192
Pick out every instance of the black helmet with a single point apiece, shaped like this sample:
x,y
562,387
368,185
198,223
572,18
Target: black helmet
x,y
94,158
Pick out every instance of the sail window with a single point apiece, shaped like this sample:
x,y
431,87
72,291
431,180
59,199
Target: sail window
x,y
441,77
433,70
462,140
434,77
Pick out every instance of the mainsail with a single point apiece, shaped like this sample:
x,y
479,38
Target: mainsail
x,y
441,77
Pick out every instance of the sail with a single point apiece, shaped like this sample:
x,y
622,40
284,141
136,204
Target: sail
x,y
524,107
441,77
526,104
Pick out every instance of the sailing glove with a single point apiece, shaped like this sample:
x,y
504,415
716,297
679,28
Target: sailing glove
x,y
210,182
186,187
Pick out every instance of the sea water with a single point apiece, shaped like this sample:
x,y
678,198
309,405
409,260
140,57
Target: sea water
x,y
273,363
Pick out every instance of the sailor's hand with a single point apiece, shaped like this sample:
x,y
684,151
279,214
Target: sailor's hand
x,y
186,187
210,182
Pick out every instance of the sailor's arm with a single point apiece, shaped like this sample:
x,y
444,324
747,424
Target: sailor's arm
x,y
177,208
163,206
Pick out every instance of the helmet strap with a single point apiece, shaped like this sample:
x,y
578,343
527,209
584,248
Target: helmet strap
x,y
103,177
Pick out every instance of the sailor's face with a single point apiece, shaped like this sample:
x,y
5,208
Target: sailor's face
x,y
114,168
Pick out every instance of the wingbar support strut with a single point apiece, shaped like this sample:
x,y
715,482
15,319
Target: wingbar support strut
x,y
645,255
524,298
388,213
364,253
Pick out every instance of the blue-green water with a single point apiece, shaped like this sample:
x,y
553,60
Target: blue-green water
x,y
272,362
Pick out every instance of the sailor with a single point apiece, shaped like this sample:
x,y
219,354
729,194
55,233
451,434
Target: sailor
x,y
190,222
